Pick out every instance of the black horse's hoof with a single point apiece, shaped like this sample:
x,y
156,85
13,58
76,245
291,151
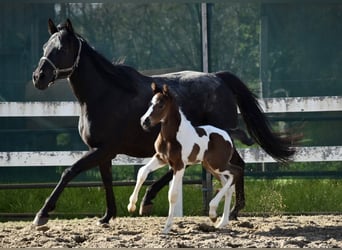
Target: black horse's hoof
x,y
40,220
145,210
233,217
105,219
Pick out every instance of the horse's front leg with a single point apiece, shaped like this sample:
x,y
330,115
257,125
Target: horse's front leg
x,y
176,185
143,172
91,159
107,179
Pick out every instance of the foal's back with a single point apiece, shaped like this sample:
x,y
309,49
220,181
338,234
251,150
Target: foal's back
x,y
207,144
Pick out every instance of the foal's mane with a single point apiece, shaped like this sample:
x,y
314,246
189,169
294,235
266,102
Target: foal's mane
x,y
118,75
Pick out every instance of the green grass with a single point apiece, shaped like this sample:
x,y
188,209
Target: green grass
x,y
262,196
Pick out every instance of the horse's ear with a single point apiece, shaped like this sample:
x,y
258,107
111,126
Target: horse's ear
x,y
51,27
155,88
68,26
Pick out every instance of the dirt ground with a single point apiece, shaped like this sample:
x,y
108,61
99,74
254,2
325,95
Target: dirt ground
x,y
323,231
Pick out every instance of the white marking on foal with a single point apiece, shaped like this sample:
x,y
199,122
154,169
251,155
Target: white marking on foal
x,y
149,110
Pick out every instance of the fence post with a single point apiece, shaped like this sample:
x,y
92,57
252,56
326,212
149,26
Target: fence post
x,y
207,190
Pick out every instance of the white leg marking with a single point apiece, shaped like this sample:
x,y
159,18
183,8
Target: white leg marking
x,y
176,185
215,201
228,198
151,166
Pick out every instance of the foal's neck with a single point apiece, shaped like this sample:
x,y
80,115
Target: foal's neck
x,y
171,123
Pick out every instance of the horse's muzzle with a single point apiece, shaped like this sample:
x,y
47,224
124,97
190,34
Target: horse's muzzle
x,y
39,80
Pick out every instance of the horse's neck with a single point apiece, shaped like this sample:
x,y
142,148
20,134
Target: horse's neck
x,y
95,77
86,81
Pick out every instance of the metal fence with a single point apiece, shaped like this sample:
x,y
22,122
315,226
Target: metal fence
x,y
250,155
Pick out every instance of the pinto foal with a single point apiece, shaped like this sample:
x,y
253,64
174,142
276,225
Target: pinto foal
x,y
180,144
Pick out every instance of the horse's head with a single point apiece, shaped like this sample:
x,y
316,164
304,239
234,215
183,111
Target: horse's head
x,y
61,54
158,108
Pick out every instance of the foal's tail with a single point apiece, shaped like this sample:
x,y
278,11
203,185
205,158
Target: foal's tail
x,y
279,147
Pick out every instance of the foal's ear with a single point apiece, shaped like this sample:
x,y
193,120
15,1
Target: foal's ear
x,y
155,88
165,90
51,27
68,26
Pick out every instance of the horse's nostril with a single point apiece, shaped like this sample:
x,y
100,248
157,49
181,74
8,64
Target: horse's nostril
x,y
35,77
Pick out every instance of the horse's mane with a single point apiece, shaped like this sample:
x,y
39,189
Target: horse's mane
x,y
120,75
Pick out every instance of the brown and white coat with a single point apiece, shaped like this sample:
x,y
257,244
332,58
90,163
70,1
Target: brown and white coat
x,y
180,144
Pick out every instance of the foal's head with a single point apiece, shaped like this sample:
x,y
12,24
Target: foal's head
x,y
159,107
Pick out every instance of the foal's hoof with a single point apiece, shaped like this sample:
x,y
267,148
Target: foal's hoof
x,y
213,219
131,208
145,209
39,220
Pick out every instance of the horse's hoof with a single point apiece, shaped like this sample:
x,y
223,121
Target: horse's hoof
x,y
213,219
233,216
221,224
145,210
103,224
39,220
104,220
166,230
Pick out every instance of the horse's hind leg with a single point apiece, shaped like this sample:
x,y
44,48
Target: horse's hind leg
x,y
90,159
107,179
241,135
152,191
239,185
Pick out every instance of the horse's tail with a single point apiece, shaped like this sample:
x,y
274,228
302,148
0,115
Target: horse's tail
x,y
279,147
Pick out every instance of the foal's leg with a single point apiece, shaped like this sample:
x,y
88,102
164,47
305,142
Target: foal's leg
x,y
228,198
91,159
176,185
215,201
152,191
107,179
151,166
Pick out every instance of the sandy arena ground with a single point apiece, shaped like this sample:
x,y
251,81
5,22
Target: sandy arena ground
x,y
323,231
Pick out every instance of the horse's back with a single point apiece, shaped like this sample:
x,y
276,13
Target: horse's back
x,y
204,97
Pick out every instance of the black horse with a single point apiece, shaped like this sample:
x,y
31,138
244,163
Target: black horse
x,y
113,98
